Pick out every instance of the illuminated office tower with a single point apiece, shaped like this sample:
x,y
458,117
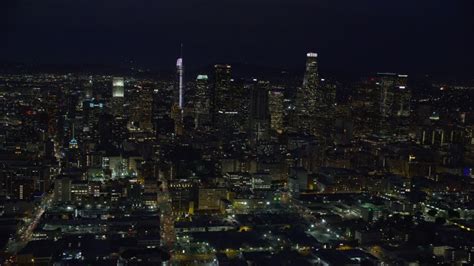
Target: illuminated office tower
x,y
230,100
311,77
93,110
140,108
118,90
386,84
275,105
52,103
311,83
259,118
394,95
402,97
307,96
326,108
327,95
202,101
88,89
118,93
146,116
223,77
393,103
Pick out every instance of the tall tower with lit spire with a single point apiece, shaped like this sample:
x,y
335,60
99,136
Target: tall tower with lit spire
x,y
177,109
180,71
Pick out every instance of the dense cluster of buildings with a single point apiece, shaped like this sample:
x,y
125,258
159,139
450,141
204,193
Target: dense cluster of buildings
x,y
213,169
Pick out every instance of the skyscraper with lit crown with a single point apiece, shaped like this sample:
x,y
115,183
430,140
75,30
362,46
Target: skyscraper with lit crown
x,y
118,94
311,76
307,96
202,103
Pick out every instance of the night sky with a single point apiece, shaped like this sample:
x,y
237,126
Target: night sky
x,y
419,36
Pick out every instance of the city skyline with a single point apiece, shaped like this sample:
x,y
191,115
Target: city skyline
x,y
420,38
290,132
306,168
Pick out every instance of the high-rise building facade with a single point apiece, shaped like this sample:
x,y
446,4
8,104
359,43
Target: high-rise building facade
x,y
230,99
276,108
140,107
222,87
311,94
202,103
92,111
118,94
311,76
118,87
259,119
88,88
308,97
394,95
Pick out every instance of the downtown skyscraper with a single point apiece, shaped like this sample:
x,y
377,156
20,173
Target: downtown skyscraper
x,y
311,76
118,94
180,72
202,105
307,96
177,108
